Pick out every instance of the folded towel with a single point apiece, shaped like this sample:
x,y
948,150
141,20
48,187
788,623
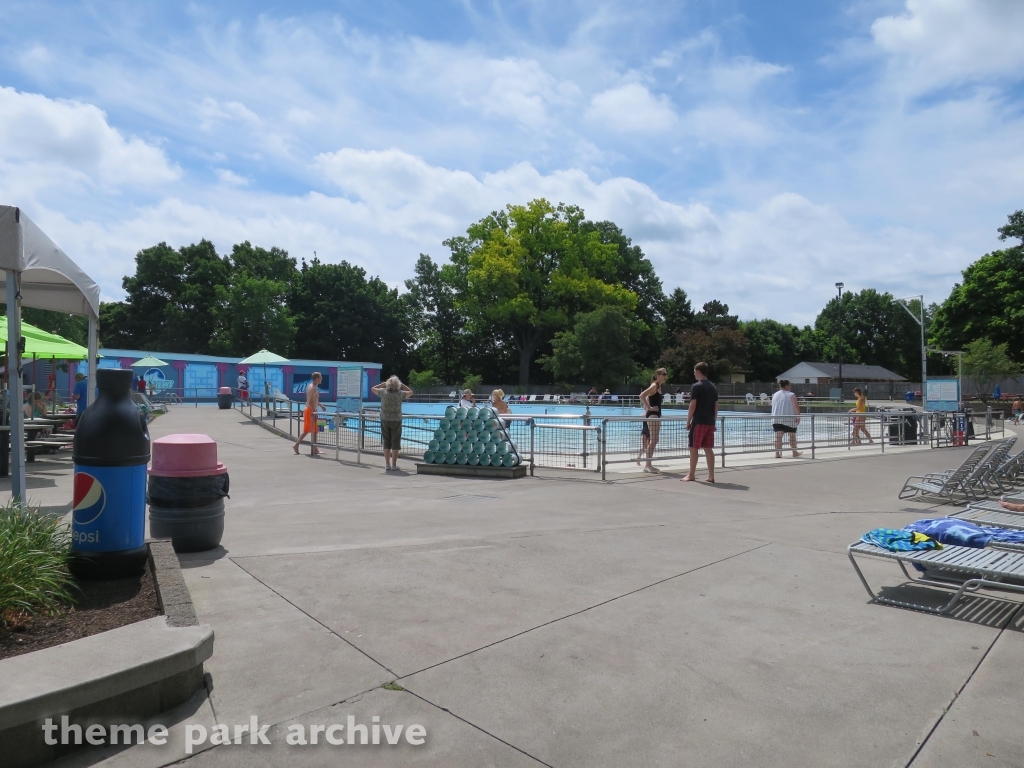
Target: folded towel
x,y
899,540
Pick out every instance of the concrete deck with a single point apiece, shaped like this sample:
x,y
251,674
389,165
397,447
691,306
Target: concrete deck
x,y
562,621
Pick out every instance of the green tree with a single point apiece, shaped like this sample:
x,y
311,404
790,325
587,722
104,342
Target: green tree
x,y
635,272
437,322
713,316
677,313
598,349
422,380
173,300
876,330
988,363
342,315
988,303
772,348
531,269
254,311
723,349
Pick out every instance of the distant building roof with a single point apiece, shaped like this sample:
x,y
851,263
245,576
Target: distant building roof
x,y
851,372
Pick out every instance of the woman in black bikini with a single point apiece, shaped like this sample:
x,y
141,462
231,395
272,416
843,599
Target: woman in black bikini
x,y
651,399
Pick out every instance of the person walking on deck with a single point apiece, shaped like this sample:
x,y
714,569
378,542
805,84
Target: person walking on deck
x,y
309,414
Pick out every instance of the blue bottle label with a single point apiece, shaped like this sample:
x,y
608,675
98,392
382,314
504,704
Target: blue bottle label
x,y
109,508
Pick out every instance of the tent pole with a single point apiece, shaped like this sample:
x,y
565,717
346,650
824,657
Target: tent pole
x,y
14,390
94,351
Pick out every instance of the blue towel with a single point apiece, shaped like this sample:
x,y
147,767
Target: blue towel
x,y
899,541
963,533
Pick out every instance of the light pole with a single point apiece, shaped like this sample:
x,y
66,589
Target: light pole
x,y
924,349
839,286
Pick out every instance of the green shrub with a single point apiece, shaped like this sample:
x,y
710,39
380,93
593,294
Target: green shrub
x,y
473,382
422,379
33,561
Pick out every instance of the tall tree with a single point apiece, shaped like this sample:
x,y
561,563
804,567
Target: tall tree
x,y
677,312
723,349
875,331
988,303
173,300
530,269
988,364
772,348
438,324
635,272
254,313
342,315
599,349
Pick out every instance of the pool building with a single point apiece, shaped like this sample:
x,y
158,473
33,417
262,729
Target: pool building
x,y
200,376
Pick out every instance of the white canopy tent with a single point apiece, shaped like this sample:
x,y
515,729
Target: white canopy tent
x,y
36,273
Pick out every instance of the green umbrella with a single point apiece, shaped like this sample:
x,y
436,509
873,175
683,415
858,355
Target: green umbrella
x,y
45,344
149,362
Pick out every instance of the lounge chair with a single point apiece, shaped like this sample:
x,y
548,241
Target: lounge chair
x,y
996,464
750,398
952,483
990,513
764,397
1009,473
966,569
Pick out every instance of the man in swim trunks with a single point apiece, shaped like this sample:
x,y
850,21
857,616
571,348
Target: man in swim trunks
x,y
309,414
700,420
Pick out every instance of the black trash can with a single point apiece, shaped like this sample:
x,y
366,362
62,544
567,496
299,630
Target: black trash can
x,y
903,429
224,398
187,488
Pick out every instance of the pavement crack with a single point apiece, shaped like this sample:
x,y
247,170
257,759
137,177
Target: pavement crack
x,y
477,727
956,696
314,618
588,608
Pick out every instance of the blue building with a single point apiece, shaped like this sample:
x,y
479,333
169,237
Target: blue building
x,y
200,376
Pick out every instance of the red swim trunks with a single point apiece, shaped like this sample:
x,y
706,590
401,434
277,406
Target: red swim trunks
x,y
703,435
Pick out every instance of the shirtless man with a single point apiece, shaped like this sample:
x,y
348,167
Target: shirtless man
x,y
309,415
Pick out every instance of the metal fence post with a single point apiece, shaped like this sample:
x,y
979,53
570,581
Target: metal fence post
x,y
600,437
722,421
359,438
813,434
532,459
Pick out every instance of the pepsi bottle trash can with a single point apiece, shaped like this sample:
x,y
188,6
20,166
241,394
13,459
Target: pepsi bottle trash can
x,y
224,398
110,452
187,488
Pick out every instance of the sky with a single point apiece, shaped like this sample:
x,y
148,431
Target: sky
x,y
757,152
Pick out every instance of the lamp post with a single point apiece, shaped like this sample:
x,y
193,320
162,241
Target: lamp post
x,y
839,286
924,349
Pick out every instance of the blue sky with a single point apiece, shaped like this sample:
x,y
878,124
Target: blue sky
x,y
757,152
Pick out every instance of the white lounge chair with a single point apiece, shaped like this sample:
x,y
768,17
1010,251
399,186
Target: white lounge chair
x,y
966,569
750,398
764,397
953,483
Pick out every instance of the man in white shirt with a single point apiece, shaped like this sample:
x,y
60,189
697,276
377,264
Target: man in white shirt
x,y
785,417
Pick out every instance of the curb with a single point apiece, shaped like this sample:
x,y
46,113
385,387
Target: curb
x,y
122,676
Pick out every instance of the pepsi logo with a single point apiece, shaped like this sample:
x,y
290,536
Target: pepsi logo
x,y
90,498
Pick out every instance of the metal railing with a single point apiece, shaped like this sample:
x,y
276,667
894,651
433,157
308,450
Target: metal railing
x,y
592,443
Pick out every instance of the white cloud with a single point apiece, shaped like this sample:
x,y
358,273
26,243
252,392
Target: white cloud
x,y
36,132
631,108
232,178
942,42
778,258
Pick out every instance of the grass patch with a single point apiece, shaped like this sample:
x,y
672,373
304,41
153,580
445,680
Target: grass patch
x,y
34,573
392,686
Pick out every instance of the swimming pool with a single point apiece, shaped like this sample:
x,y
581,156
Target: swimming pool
x,y
541,409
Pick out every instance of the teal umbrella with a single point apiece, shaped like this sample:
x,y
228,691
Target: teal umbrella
x,y
149,362
263,357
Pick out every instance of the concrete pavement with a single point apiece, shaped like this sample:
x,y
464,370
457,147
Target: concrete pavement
x,y
564,621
